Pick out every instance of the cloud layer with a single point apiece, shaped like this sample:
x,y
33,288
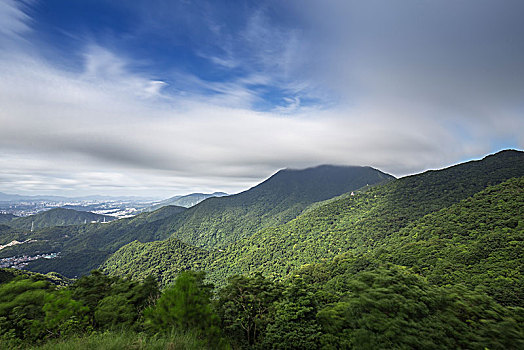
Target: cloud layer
x,y
402,88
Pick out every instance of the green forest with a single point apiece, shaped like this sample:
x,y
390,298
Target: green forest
x,y
348,305
429,261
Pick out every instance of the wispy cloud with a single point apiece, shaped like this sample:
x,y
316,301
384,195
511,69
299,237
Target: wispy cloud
x,y
104,68
112,125
13,20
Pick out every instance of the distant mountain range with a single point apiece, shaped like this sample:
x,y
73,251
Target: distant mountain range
x,y
186,201
5,197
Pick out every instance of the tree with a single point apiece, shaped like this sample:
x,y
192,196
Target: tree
x,y
92,288
295,325
186,306
115,311
63,315
21,302
245,306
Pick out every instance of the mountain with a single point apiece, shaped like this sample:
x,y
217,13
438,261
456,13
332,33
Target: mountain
x,y
361,223
186,201
57,217
5,197
214,221
219,221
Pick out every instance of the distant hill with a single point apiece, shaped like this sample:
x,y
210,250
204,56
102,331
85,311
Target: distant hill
x,y
186,201
57,217
5,197
4,218
84,247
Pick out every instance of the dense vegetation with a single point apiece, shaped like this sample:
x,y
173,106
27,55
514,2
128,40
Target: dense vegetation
x,y
7,275
217,222
85,247
348,305
33,310
213,221
477,242
428,261
162,259
369,222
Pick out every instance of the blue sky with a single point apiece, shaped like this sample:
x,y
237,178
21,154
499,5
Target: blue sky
x,y
192,47
171,97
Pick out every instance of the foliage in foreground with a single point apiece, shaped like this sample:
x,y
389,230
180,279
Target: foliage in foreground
x,y
33,310
114,340
350,304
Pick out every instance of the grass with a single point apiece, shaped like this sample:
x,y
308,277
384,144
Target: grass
x,y
125,340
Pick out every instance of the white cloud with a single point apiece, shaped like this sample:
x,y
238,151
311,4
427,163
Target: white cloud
x,y
112,129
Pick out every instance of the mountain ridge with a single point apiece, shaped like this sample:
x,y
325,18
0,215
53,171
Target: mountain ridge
x,y
233,217
219,221
354,223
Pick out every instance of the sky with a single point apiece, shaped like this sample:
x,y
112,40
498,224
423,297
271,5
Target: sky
x,y
159,98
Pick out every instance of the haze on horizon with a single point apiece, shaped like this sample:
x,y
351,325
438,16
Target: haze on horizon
x,y
155,98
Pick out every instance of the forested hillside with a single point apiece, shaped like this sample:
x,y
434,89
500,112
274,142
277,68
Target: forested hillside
x,y
216,221
478,242
366,222
162,259
357,223
57,217
84,247
427,261
4,218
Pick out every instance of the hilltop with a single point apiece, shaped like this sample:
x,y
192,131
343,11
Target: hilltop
x,y
57,217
